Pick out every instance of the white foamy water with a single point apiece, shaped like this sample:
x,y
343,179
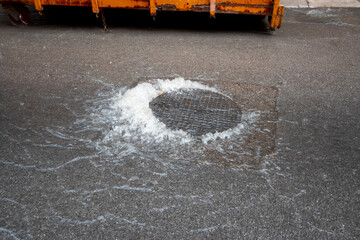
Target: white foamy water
x,y
125,132
136,118
247,117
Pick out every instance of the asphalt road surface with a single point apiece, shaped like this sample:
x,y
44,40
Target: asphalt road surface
x,y
293,175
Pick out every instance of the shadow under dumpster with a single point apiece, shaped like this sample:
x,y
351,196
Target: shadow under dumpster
x,y
141,19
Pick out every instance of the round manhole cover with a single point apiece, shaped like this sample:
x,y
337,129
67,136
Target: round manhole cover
x,y
196,111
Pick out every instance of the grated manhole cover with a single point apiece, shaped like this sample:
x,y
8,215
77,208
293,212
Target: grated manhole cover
x,y
196,112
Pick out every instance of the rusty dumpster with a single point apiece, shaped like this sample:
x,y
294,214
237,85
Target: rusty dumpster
x,y
18,13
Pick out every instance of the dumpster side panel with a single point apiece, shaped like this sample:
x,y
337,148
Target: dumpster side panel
x,y
255,7
231,6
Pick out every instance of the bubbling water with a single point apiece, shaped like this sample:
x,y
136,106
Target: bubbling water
x,y
136,119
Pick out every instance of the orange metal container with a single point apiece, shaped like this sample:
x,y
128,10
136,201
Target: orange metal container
x,y
269,8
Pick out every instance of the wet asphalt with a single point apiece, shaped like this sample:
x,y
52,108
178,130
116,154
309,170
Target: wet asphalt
x,y
59,180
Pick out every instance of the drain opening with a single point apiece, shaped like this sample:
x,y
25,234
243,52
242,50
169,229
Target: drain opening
x,y
196,111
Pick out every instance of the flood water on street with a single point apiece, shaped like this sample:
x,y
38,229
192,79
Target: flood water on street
x,y
82,156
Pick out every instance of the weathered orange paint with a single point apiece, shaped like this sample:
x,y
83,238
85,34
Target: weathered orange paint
x,y
244,10
212,8
38,5
95,6
142,4
259,7
80,3
152,8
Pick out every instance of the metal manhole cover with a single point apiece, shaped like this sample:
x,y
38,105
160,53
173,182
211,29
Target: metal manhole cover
x,y
196,111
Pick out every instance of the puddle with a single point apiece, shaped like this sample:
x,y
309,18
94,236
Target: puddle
x,y
328,16
118,128
131,130
107,147
322,12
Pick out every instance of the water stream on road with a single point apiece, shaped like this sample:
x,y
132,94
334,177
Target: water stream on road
x,y
131,128
116,152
